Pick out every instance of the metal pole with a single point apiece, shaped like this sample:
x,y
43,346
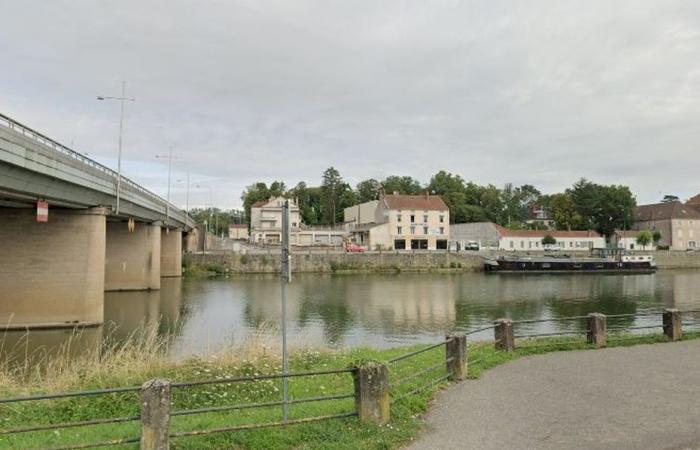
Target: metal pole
x,y
170,165
119,155
187,196
286,277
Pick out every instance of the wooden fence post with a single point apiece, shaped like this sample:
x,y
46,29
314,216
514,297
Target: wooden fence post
x,y
372,392
456,356
155,415
672,324
597,330
503,334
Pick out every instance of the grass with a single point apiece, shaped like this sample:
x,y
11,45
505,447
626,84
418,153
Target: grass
x,y
143,357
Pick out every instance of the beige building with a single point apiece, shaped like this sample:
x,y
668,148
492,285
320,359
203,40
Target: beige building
x,y
266,226
266,220
400,222
678,223
238,231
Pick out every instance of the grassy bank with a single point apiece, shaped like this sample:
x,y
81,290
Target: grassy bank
x,y
144,358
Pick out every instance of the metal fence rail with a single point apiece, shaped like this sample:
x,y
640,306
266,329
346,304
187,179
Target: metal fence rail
x,y
400,377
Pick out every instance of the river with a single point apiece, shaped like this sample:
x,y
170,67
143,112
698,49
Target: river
x,y
378,310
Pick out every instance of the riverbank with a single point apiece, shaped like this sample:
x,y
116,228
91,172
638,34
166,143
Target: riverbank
x,y
132,366
333,262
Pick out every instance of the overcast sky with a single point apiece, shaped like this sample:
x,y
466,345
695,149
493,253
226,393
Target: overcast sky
x,y
539,92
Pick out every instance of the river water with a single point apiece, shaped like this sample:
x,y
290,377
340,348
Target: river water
x,y
377,310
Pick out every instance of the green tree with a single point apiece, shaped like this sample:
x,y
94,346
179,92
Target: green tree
x,y
491,203
309,202
644,238
564,212
548,240
669,198
368,190
656,237
402,185
335,196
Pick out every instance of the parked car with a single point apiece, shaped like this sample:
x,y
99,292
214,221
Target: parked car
x,y
354,248
472,245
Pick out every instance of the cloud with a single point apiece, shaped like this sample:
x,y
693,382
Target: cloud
x,y
537,92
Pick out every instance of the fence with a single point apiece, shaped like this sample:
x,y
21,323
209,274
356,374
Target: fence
x,y
367,391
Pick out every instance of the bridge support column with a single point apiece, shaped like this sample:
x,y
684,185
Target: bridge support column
x,y
52,274
170,253
133,257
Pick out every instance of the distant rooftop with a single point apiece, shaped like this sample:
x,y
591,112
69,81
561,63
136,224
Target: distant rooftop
x,y
668,210
424,202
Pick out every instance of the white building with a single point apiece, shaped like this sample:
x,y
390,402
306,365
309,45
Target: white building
x,y
531,240
627,240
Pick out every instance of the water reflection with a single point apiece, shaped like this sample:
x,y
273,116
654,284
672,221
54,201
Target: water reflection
x,y
377,310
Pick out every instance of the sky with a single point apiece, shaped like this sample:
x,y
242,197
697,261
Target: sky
x,y
538,92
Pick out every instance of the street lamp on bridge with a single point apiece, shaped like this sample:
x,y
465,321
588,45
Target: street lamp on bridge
x,y
121,99
169,157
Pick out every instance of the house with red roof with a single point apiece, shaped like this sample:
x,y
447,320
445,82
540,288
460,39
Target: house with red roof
x,y
494,236
400,222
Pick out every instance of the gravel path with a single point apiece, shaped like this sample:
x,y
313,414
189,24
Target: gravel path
x,y
641,397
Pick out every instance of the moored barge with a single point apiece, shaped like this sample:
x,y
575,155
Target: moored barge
x,y
602,261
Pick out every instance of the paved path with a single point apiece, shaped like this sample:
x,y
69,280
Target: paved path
x,y
642,397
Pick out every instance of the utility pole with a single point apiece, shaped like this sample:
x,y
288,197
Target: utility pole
x,y
121,99
286,278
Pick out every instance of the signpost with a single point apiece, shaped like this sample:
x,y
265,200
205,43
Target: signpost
x,y
286,278
42,211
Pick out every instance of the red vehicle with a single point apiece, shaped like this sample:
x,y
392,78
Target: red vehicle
x,y
354,248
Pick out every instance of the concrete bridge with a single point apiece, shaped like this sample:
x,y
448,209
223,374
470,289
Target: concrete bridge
x,y
54,273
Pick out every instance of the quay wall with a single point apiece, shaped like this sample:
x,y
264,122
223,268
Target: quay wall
x,y
309,262
338,262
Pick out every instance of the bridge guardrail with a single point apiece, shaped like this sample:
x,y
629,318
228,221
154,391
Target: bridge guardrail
x,y
41,138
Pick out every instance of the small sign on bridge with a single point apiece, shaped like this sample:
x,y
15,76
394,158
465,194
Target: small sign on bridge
x,y
42,211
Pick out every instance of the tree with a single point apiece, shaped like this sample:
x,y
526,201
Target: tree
x,y
669,198
603,208
368,190
402,185
644,238
548,240
309,202
564,212
656,237
335,195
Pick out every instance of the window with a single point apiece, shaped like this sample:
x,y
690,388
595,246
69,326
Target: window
x,y
522,244
398,230
413,218
419,244
512,244
537,244
441,244
691,244
442,230
571,244
425,218
398,217
413,229
400,244
294,224
442,218
425,230
632,246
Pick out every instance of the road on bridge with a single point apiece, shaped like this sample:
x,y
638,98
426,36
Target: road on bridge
x,y
641,397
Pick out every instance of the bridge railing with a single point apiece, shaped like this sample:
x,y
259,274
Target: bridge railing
x,y
41,138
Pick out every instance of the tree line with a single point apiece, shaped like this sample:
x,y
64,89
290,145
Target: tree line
x,y
585,205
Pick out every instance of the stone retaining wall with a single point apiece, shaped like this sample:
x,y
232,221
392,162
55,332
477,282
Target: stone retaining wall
x,y
386,262
338,262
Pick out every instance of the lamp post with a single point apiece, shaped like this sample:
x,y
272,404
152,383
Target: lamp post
x,y
211,201
187,193
169,157
121,99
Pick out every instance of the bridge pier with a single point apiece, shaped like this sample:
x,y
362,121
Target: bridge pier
x,y
170,253
132,260
52,274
